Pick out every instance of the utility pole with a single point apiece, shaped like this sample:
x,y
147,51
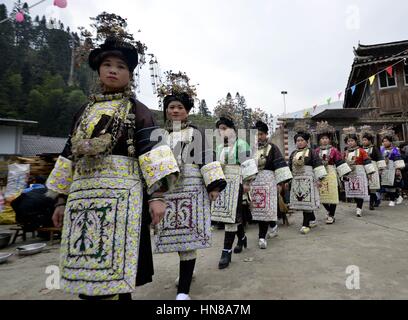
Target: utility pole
x,y
284,93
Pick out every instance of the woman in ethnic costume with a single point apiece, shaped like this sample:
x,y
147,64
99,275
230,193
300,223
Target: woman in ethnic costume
x,y
356,183
391,177
273,172
335,166
108,177
368,139
308,171
186,226
239,169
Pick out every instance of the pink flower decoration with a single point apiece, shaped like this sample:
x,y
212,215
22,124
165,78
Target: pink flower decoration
x,y
60,3
19,17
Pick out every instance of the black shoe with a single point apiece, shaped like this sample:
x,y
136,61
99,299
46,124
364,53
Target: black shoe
x,y
241,244
225,259
372,207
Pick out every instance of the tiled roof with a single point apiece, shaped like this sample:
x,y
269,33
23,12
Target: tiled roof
x,y
36,145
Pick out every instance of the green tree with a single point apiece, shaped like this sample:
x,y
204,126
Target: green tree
x,y
203,109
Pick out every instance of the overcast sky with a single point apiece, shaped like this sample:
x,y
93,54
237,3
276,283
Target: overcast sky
x,y
255,47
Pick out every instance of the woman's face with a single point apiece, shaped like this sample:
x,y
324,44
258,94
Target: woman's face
x,y
366,142
227,133
114,74
301,143
351,143
386,143
176,111
324,141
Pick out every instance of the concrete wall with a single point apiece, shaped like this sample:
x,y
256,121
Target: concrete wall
x,y
10,140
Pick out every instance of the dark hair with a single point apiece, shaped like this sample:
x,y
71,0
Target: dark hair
x,y
368,136
351,136
226,121
114,47
183,98
388,137
304,135
326,134
262,126
108,54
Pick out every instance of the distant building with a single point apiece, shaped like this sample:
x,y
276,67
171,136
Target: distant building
x,y
41,146
387,98
284,135
11,134
385,103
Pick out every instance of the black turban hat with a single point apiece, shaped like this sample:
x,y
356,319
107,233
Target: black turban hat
x,y
114,47
183,97
261,126
225,121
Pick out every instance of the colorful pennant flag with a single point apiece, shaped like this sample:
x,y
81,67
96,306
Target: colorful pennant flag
x,y
329,100
339,95
353,89
390,71
371,79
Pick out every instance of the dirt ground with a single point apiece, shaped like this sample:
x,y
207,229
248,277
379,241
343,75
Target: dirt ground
x,y
294,266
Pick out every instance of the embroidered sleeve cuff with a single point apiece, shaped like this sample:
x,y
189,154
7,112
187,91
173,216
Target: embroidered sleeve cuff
x,y
159,169
381,164
399,164
283,174
369,168
212,172
61,177
343,169
320,172
249,169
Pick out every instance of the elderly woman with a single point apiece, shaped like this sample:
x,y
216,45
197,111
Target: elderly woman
x,y
107,180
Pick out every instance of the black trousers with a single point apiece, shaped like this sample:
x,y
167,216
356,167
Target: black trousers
x,y
308,216
331,209
359,203
373,199
241,232
393,195
186,276
263,228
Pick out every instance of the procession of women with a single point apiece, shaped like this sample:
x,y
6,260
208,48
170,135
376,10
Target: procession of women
x,y
126,189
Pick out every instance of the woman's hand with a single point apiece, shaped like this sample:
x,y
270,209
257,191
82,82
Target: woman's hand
x,y
157,209
214,195
247,187
58,216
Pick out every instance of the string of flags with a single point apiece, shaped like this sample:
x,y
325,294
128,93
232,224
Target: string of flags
x,y
20,15
371,79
